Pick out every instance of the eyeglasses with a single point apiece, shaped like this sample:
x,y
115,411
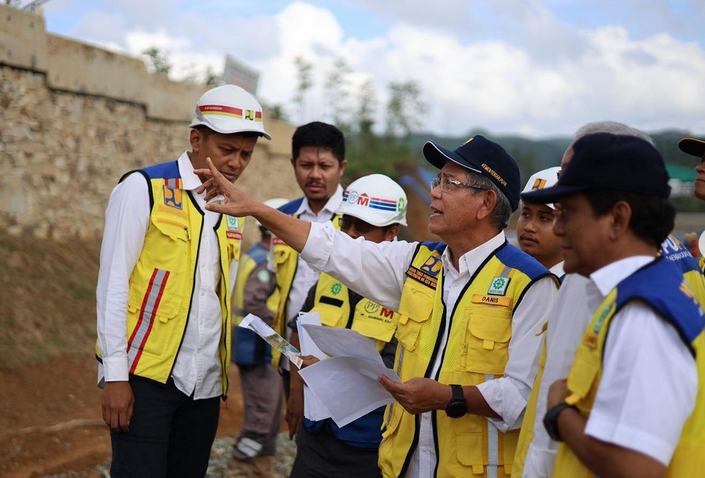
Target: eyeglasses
x,y
445,184
347,222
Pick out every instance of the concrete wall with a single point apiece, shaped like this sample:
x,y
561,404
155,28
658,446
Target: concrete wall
x,y
75,117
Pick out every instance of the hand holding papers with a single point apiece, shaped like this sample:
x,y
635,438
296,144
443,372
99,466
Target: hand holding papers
x,y
277,342
347,382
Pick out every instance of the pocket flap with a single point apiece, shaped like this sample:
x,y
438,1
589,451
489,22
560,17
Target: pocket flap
x,y
491,325
469,451
172,227
331,315
416,303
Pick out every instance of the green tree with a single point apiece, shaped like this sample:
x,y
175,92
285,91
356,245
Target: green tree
x,y
213,79
337,93
365,117
158,60
304,83
404,108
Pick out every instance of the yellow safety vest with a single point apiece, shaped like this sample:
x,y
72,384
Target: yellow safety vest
x,y
161,284
286,261
477,351
672,249
584,377
370,319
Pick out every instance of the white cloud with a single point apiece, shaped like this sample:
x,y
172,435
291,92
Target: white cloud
x,y
532,73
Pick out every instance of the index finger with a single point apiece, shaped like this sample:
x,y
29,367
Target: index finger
x,y
219,178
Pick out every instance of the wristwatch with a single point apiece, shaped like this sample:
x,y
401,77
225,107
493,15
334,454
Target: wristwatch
x,y
550,420
457,407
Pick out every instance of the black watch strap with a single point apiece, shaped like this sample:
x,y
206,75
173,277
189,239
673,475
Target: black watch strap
x,y
550,420
457,407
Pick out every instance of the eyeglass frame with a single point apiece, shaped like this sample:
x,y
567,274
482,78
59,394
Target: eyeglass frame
x,y
435,182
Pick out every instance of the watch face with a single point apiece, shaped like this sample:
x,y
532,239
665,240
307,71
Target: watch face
x,y
456,409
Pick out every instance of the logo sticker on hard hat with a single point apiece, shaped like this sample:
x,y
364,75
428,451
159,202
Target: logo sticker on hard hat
x,y
401,205
499,286
352,197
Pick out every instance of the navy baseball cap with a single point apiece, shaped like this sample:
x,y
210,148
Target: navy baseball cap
x,y
693,146
480,155
605,161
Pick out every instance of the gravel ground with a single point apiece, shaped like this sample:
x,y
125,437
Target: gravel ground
x,y
220,457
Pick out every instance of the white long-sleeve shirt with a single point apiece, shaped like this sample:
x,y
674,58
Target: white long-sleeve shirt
x,y
197,369
636,384
378,272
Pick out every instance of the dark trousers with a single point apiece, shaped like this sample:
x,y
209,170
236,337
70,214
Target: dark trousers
x,y
170,435
322,455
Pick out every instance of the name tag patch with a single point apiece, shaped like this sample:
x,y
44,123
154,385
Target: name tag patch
x,y
492,300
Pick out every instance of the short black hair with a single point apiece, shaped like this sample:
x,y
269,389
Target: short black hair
x,y
319,134
652,217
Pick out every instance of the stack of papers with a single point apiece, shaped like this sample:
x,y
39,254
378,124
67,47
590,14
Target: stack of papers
x,y
343,385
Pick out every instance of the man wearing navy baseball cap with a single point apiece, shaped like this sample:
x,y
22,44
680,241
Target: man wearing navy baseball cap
x,y
630,404
472,310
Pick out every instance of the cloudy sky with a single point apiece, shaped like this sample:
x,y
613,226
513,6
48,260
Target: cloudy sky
x,y
535,67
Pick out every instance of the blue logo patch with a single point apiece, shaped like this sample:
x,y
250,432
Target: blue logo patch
x,y
172,197
432,265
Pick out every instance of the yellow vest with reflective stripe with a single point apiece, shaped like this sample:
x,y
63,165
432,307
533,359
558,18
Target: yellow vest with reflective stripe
x,y
688,460
286,261
477,351
161,284
370,319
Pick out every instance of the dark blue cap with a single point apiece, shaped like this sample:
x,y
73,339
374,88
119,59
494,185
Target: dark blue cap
x,y
605,161
484,157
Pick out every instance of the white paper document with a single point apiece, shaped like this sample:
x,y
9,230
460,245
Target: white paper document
x,y
277,342
347,381
314,408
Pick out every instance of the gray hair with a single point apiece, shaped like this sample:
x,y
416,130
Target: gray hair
x,y
611,127
502,209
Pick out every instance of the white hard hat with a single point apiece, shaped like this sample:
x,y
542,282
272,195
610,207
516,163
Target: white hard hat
x,y
376,199
275,203
545,178
229,109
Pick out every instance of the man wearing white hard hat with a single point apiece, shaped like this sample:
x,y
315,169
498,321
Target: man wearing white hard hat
x,y
535,224
373,208
167,269
255,293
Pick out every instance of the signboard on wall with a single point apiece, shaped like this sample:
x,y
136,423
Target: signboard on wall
x,y
238,73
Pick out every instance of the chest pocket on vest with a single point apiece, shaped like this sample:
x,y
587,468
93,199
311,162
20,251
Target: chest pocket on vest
x,y
375,321
416,307
331,312
486,347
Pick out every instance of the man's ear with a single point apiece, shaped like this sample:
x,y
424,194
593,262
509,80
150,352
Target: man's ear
x,y
391,233
343,163
196,139
489,200
621,215
293,162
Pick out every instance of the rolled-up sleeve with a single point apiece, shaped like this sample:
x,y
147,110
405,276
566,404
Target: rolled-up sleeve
x,y
374,270
508,395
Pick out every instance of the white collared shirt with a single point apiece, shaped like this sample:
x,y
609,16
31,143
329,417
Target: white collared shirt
x,y
197,369
557,270
378,272
649,378
306,277
577,301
